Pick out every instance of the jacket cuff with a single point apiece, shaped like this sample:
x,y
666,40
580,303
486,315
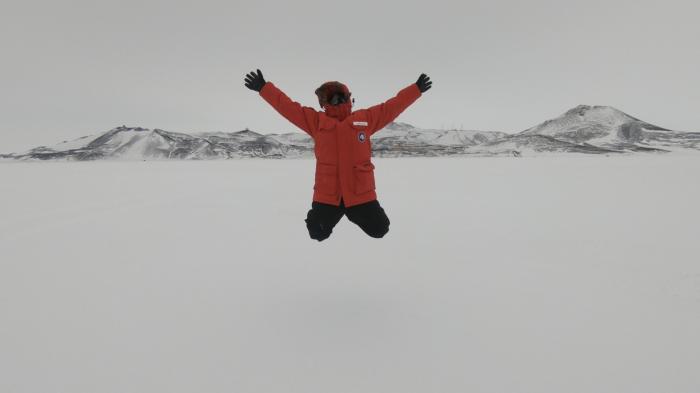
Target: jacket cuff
x,y
266,88
413,90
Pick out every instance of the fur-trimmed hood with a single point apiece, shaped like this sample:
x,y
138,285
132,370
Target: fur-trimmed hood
x,y
326,91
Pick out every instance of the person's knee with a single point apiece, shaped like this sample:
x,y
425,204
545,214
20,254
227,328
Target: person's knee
x,y
377,231
371,218
317,231
320,236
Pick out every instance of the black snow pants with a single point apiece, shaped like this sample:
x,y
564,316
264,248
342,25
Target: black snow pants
x,y
370,217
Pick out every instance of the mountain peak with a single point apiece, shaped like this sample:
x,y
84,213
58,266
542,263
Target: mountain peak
x,y
247,132
400,126
579,110
596,110
125,128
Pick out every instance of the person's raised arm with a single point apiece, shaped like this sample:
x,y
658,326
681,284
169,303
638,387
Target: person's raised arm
x,y
303,117
386,112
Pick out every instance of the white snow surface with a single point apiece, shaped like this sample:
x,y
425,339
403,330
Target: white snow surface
x,y
543,274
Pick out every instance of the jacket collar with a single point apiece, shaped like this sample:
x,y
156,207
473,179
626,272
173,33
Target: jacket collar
x,y
339,112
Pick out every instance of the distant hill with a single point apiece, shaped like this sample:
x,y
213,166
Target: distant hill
x,y
609,128
583,129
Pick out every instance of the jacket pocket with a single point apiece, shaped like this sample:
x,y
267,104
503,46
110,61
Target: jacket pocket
x,y
364,177
326,181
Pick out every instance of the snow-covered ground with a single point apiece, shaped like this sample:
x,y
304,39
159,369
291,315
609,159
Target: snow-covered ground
x,y
545,274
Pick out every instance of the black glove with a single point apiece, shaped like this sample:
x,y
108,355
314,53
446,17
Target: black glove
x,y
255,81
424,83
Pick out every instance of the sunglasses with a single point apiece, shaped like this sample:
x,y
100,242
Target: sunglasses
x,y
337,99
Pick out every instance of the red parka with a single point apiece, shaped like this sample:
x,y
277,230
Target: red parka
x,y
342,147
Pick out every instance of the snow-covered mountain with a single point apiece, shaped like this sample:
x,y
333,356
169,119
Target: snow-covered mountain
x,y
610,129
523,144
401,139
584,129
136,143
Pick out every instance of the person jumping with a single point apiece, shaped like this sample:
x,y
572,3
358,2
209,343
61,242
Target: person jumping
x,y
344,180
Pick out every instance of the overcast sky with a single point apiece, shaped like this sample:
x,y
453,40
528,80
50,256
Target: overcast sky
x,y
73,68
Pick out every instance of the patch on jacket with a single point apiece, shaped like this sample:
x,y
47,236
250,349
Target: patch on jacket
x,y
361,136
359,123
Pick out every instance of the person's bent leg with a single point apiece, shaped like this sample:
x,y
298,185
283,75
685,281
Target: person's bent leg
x,y
370,217
321,219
